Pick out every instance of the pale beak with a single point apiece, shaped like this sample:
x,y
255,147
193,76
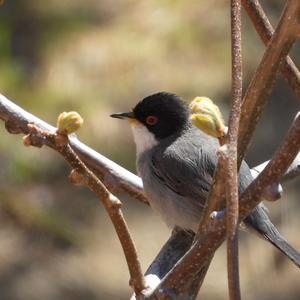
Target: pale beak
x,y
125,115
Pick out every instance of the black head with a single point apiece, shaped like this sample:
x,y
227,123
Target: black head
x,y
163,114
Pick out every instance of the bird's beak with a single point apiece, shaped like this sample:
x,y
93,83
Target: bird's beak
x,y
124,115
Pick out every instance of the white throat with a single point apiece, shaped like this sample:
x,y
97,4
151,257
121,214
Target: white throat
x,y
144,139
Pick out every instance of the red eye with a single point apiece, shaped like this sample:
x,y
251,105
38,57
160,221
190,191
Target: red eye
x,y
151,120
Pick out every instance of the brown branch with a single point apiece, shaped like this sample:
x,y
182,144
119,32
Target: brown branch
x,y
177,281
113,176
80,173
214,232
19,118
232,199
265,31
293,171
275,169
266,73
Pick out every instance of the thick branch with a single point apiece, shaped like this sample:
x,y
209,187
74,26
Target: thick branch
x,y
266,73
265,31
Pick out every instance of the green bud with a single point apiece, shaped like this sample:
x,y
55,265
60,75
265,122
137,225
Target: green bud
x,y
205,115
69,122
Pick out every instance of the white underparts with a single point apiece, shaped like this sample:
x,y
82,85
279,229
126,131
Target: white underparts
x,y
144,139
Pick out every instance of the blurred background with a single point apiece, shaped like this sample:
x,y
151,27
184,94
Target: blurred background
x,y
99,57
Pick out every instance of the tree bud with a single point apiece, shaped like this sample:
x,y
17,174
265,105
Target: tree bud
x,y
205,115
69,122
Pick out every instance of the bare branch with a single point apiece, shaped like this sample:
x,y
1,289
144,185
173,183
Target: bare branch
x,y
232,199
193,268
265,31
292,172
266,73
60,143
113,176
20,120
275,169
214,232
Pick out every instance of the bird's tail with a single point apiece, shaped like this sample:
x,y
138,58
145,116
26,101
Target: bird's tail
x,y
259,221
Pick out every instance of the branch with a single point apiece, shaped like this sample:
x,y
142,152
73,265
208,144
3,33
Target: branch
x,y
113,176
265,31
82,175
232,200
266,73
214,232
292,172
18,119
287,152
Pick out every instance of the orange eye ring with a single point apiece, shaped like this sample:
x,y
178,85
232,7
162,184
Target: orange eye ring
x,y
151,120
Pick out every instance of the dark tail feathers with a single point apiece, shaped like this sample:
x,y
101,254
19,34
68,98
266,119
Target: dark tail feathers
x,y
259,221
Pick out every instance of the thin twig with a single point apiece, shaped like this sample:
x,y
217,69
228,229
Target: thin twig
x,y
266,73
232,199
265,31
38,137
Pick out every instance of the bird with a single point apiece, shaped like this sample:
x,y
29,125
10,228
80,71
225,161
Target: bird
x,y
177,161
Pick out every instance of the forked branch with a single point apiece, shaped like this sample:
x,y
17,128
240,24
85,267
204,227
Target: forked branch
x,y
265,31
81,175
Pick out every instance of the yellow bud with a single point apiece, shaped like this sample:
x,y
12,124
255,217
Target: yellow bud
x,y
205,115
69,122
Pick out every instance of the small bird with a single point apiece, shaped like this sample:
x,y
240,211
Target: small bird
x,y
176,162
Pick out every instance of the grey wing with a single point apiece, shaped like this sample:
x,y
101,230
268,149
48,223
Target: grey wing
x,y
188,171
188,174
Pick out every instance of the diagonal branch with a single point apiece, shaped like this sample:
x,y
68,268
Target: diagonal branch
x,y
82,175
113,176
19,120
214,232
275,169
265,31
266,73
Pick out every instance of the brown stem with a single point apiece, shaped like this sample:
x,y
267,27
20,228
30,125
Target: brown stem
x,y
266,73
265,31
213,235
113,176
275,169
232,201
110,202
176,282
